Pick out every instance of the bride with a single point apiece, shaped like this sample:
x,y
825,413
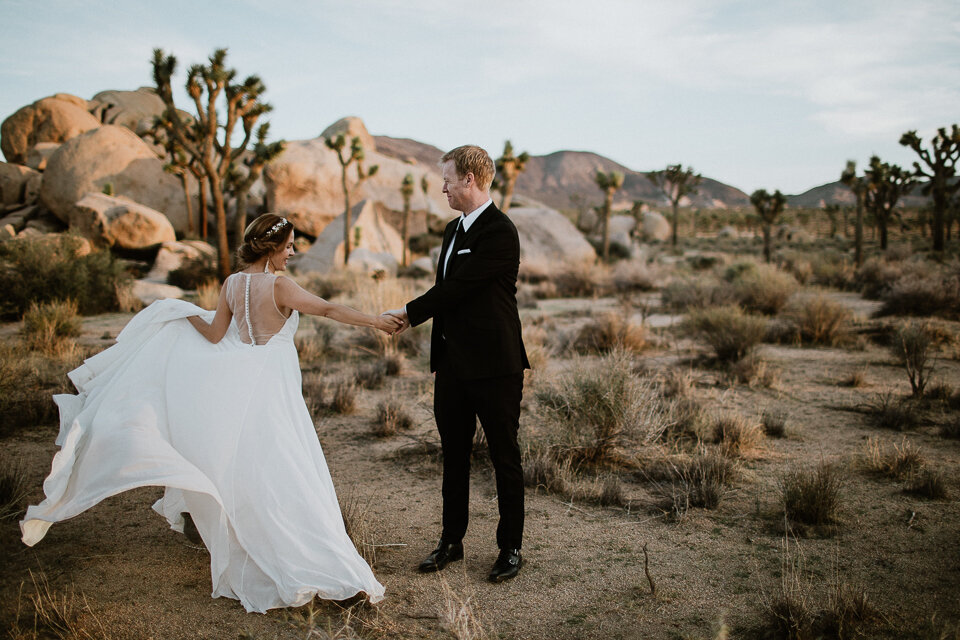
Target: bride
x,y
214,413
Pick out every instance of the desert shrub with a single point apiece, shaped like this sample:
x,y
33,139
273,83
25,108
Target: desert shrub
x,y
536,343
13,488
51,327
728,330
194,272
610,492
596,409
951,429
45,269
315,346
736,435
848,609
754,371
856,379
608,332
898,462
344,399
687,421
541,468
928,483
689,294
580,280
912,346
831,269
326,285
391,418
314,393
923,294
812,496
761,288
28,381
820,321
890,412
774,422
876,276
677,383
635,275
699,481
371,374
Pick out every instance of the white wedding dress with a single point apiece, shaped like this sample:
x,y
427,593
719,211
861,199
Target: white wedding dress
x,y
225,429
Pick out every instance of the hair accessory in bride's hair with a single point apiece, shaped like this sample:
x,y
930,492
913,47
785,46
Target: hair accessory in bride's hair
x,y
272,230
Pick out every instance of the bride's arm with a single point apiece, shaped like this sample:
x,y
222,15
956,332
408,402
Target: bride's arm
x,y
214,331
289,294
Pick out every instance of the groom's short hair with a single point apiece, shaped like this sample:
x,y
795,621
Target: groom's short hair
x,y
472,159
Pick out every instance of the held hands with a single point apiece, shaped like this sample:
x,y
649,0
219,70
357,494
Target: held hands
x,y
401,316
389,324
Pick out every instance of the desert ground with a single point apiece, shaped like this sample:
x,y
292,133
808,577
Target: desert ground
x,y
629,534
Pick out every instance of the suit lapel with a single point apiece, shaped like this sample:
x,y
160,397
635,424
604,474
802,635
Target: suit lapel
x,y
447,237
483,219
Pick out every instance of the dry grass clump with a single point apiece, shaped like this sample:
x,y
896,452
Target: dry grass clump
x,y
831,269
611,331
890,412
571,280
688,421
371,375
28,379
391,418
316,346
820,321
730,332
923,294
898,462
812,496
753,370
689,294
195,273
774,422
760,287
928,483
13,489
63,615
536,341
677,383
876,276
208,294
56,268
951,429
635,275
598,409
698,481
856,379
50,327
912,346
357,520
736,434
458,616
344,399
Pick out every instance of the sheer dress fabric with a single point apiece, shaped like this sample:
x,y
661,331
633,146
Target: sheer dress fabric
x,y
225,430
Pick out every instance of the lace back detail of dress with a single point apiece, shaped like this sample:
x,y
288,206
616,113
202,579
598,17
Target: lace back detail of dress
x,y
251,299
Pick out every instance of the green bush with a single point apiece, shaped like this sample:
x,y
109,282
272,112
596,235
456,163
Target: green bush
x,y
52,268
728,330
762,288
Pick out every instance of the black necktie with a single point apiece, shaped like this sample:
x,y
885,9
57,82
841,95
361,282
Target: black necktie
x,y
453,240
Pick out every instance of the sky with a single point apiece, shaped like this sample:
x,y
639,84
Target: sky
x,y
754,93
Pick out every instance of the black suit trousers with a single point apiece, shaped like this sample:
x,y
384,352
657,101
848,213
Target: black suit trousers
x,y
495,401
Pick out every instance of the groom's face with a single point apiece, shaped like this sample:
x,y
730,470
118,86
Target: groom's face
x,y
454,186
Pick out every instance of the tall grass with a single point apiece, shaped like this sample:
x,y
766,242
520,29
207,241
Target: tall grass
x,y
50,327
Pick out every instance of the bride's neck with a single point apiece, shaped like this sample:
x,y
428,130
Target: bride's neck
x,y
262,265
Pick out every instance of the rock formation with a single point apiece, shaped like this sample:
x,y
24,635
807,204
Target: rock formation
x,y
54,119
368,230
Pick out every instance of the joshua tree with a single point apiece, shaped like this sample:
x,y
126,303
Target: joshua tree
x,y
206,139
608,182
768,209
357,156
406,190
940,169
675,182
858,185
886,183
509,168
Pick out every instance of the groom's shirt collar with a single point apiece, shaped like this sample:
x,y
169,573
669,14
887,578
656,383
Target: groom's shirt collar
x,y
467,219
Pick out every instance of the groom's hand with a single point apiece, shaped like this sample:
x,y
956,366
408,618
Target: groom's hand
x,y
400,314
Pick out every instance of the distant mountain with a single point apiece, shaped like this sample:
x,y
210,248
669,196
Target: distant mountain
x,y
838,193
554,178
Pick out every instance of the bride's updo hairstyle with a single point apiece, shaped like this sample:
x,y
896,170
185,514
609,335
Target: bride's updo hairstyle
x,y
263,236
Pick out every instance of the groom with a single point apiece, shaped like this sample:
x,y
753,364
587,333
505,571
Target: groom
x,y
477,353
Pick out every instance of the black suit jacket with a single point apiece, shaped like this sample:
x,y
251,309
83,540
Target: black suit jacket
x,y
474,304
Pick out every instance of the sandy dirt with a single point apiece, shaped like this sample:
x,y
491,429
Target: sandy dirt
x,y
584,572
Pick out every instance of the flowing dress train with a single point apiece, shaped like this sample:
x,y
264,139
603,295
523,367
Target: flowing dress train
x,y
225,430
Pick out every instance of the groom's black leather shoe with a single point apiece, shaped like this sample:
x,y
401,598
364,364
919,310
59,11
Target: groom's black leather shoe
x,y
507,565
444,554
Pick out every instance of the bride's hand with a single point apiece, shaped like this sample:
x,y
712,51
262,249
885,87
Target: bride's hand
x,y
388,324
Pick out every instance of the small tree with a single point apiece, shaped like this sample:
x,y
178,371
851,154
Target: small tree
x,y
940,168
406,190
675,182
357,156
768,209
509,168
886,183
608,182
206,139
858,185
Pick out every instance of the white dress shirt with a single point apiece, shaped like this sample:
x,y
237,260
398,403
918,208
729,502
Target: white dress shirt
x,y
466,221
